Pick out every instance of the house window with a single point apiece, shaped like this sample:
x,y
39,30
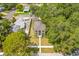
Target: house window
x,y
39,32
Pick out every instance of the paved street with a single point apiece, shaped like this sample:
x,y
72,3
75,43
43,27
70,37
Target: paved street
x,y
10,14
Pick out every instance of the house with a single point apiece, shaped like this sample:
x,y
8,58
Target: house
x,y
26,8
1,9
39,28
22,22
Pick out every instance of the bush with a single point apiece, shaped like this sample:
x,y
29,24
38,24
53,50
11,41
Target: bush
x,y
19,7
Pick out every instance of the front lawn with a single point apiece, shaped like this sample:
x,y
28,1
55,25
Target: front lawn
x,y
44,42
21,12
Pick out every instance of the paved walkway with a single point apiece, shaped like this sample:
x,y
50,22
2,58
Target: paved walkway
x,y
39,44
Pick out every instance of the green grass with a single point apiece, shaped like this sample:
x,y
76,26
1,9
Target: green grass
x,y
45,42
21,12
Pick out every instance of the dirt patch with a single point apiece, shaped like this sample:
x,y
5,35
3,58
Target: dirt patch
x,y
47,50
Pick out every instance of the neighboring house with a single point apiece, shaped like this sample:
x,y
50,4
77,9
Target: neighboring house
x,y
18,25
26,8
22,22
39,28
1,9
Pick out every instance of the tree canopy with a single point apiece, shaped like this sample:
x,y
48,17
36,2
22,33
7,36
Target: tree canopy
x,y
4,30
19,7
62,23
16,44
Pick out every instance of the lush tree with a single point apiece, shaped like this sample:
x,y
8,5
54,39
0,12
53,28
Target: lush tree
x,y
62,23
19,7
74,19
16,44
1,15
59,33
4,30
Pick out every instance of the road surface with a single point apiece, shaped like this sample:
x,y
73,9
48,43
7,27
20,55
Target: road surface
x,y
10,14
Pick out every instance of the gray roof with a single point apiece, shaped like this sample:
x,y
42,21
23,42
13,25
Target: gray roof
x,y
18,24
39,26
22,21
1,9
16,28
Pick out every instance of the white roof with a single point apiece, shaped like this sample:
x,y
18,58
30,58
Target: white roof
x,y
20,23
26,8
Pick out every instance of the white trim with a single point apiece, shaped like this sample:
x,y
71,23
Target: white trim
x,y
41,46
